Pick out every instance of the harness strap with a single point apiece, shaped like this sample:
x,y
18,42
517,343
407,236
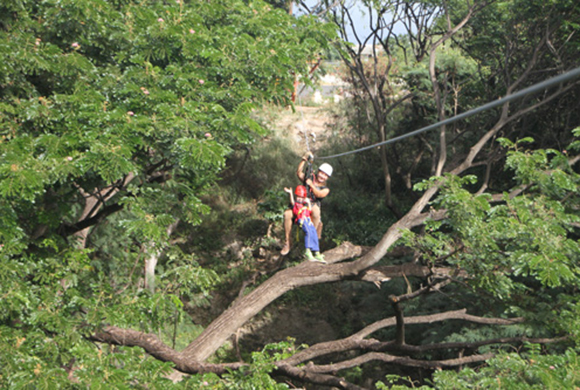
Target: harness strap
x,y
309,175
298,216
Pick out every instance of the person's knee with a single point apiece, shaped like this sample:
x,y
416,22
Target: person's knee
x,y
287,214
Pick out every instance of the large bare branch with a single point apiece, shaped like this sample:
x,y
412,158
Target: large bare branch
x,y
156,348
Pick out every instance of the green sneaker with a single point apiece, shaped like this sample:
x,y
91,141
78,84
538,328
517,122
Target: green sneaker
x,y
308,255
319,257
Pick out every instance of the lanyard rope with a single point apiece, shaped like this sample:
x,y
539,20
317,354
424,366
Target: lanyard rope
x,y
309,169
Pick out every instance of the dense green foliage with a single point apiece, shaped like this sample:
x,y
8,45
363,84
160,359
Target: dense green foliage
x,y
135,106
128,132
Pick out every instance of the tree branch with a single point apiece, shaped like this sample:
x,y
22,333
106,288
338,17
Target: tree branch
x,y
156,348
391,347
315,373
357,340
402,361
85,223
307,375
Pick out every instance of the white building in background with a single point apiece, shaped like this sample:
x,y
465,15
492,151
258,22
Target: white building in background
x,y
367,51
317,97
332,79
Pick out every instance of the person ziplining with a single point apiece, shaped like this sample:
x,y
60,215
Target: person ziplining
x,y
301,212
317,190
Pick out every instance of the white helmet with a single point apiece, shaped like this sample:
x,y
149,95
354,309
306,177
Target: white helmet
x,y
326,168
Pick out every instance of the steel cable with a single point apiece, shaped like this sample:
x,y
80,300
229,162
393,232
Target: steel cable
x,y
526,91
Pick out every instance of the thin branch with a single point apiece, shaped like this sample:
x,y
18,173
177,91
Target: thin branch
x,y
391,347
304,374
402,361
354,341
421,291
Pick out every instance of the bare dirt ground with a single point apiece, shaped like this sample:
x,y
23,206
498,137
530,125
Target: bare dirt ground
x,y
314,120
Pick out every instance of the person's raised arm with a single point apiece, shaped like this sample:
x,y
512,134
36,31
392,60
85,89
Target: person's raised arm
x,y
300,170
289,191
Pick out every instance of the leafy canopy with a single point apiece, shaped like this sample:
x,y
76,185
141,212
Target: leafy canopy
x,y
133,105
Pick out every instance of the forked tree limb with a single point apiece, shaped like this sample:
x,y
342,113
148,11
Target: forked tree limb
x,y
313,369
96,200
104,212
304,274
358,340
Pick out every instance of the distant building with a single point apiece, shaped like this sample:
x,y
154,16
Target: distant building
x,y
367,51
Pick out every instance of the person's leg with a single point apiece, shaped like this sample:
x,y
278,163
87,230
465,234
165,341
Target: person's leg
x,y
310,237
288,216
311,243
316,219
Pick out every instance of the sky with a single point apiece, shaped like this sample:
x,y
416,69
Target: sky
x,y
359,18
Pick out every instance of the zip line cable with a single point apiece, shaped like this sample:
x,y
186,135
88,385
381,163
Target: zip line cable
x,y
526,91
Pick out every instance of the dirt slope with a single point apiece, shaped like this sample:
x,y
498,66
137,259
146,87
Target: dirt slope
x,y
312,119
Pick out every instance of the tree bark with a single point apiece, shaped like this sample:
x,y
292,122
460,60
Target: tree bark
x,y
152,255
95,201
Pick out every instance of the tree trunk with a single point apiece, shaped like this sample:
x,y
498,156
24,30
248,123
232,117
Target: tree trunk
x,y
152,255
